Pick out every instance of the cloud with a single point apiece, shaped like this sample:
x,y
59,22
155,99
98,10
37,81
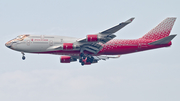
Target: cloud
x,y
49,84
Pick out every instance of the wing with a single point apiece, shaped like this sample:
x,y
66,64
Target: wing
x,y
107,34
105,57
95,59
91,42
116,28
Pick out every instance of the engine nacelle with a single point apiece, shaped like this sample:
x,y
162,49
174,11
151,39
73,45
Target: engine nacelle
x,y
70,46
92,38
87,63
67,59
67,46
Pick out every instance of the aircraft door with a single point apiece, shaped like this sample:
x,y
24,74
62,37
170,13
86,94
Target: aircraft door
x,y
50,42
28,42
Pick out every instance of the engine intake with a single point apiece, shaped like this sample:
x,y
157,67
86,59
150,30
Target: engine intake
x,y
70,46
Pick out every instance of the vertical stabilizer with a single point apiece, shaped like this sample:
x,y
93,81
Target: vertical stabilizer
x,y
161,30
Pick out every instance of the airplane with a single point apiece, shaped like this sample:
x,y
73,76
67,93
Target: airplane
x,y
94,47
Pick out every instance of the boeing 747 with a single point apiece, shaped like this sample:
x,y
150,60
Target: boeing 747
x,y
94,47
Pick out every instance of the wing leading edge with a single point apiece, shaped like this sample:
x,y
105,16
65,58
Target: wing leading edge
x,y
107,34
116,28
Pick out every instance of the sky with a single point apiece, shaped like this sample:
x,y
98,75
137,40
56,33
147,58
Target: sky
x,y
152,75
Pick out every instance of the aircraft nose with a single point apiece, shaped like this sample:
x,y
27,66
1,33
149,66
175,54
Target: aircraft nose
x,y
8,44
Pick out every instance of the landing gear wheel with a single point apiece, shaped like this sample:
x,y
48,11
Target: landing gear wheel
x,y
23,57
81,54
90,59
80,60
82,63
84,57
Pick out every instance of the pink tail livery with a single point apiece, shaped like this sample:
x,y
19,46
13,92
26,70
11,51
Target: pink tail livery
x,y
161,30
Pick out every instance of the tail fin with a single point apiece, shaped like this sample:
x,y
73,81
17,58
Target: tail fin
x,y
161,30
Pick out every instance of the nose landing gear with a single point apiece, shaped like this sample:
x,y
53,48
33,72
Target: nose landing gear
x,y
23,57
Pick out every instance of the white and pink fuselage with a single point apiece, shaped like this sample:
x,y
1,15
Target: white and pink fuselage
x,y
42,44
89,49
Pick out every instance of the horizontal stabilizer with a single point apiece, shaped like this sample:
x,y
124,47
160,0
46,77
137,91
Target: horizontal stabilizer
x,y
165,40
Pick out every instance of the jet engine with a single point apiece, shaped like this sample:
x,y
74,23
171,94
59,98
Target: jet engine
x,y
70,46
67,46
92,38
67,59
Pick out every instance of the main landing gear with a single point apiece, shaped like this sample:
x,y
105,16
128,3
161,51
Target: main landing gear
x,y
23,57
86,59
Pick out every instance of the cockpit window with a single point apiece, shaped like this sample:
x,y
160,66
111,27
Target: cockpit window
x,y
18,38
21,37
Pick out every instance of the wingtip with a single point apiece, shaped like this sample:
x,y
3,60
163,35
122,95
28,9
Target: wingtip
x,y
130,20
174,35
